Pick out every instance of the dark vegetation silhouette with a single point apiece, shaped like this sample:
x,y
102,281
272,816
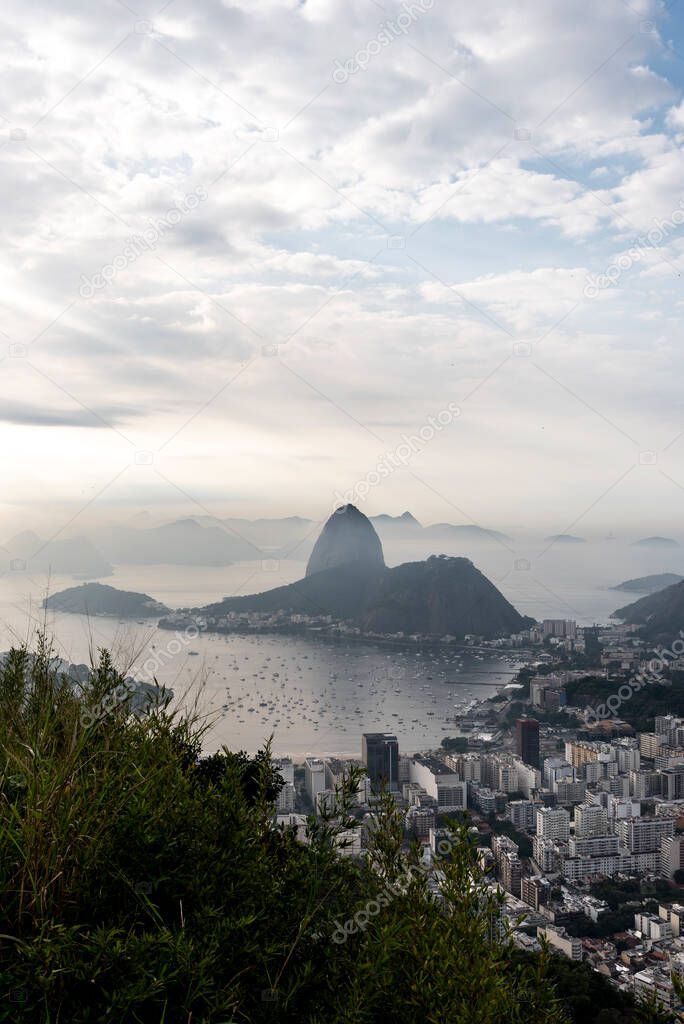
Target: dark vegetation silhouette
x,y
142,881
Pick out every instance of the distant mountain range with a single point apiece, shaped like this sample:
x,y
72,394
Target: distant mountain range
x,y
72,556
206,540
294,537
184,542
649,584
347,578
660,614
403,527
212,541
407,527
277,538
98,599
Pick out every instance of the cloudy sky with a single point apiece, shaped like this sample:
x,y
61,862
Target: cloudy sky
x,y
250,247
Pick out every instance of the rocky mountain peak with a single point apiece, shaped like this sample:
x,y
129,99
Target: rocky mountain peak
x,y
347,538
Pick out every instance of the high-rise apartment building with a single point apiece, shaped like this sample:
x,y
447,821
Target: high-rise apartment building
x,y
640,835
380,754
553,823
314,778
590,820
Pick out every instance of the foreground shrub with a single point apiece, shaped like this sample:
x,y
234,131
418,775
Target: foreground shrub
x,y
141,882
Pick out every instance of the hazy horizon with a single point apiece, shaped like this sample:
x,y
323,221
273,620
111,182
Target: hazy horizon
x,y
55,524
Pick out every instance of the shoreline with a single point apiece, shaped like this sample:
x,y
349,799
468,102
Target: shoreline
x,y
318,633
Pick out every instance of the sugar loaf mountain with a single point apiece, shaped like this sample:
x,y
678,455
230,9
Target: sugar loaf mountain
x,y
346,577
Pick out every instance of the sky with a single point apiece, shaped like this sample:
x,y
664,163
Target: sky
x,y
261,255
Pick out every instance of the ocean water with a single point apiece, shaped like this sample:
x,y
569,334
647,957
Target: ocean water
x,y
311,695
314,695
319,696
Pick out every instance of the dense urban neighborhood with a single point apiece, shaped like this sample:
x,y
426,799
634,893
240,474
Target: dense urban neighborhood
x,y
571,779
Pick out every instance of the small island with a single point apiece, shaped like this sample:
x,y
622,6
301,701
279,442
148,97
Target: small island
x,y
649,584
656,542
564,538
100,599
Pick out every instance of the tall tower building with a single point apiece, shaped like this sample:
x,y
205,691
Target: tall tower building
x,y
380,754
527,741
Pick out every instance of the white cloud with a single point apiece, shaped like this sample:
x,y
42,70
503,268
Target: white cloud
x,y
509,149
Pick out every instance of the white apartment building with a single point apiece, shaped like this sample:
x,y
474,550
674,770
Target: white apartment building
x,y
674,915
529,778
593,771
507,778
596,846
336,771
557,768
350,842
466,766
570,792
650,743
590,820
285,802
559,940
574,868
314,777
654,983
285,767
652,927
450,792
553,823
671,855
639,863
523,814
628,757
641,835
484,799
619,808
545,853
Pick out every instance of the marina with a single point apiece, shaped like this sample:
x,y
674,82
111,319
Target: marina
x,y
317,697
